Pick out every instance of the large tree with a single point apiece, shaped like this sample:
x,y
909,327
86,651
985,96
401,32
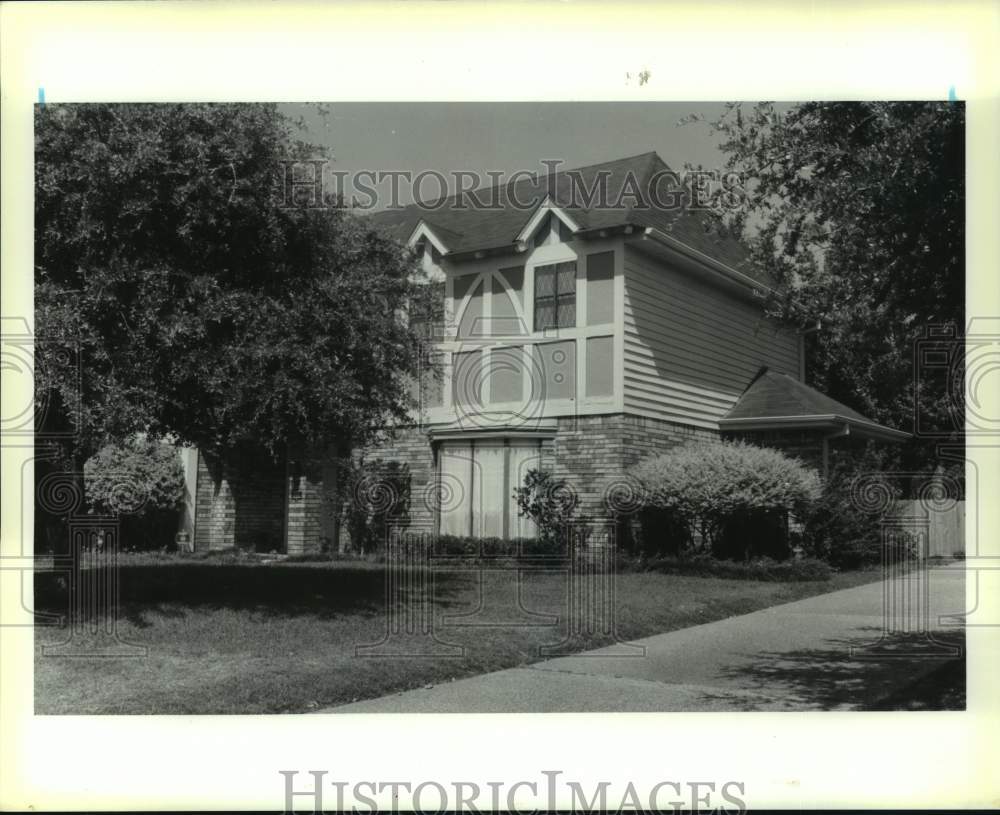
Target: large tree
x,y
203,306
857,208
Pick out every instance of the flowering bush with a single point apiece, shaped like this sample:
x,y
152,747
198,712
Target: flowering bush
x,y
715,489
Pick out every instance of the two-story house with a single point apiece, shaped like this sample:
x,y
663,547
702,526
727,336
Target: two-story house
x,y
591,320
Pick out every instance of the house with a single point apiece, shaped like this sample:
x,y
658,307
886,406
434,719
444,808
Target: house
x,y
591,321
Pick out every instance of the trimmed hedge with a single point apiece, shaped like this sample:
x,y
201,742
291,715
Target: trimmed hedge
x,y
792,571
460,545
727,498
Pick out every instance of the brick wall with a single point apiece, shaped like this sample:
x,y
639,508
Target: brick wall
x,y
411,457
215,509
594,453
240,502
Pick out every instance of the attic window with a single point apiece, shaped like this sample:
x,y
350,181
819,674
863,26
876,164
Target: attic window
x,y
555,296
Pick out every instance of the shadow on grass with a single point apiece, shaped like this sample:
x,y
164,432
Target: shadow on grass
x,y
270,590
867,678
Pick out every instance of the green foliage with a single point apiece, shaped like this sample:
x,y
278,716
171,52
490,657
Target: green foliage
x,y
806,569
141,481
844,527
137,477
373,495
663,530
474,548
707,486
549,502
857,210
202,305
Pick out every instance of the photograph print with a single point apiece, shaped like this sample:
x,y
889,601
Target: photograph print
x,y
499,407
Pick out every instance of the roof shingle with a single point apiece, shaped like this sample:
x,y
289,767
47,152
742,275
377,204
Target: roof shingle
x,y
773,395
627,199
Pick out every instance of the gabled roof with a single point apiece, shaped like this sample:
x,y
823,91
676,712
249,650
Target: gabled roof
x,y
774,400
467,228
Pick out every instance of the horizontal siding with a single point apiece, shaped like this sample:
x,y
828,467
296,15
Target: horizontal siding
x,y
691,347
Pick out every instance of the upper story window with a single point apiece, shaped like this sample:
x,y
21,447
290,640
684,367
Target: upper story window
x,y
555,296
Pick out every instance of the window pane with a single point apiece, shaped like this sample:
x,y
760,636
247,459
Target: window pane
x,y
567,278
488,489
545,313
566,311
456,489
545,281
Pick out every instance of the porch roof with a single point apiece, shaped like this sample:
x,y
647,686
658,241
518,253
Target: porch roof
x,y
776,401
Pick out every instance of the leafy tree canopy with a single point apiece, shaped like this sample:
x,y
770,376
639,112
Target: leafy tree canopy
x,y
857,209
204,307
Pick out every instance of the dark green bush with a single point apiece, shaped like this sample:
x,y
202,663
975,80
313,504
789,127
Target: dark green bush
x,y
753,533
373,494
663,531
844,527
766,569
473,548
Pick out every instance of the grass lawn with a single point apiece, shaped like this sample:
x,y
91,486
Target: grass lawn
x,y
227,637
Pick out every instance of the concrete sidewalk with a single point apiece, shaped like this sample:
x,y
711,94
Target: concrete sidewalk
x,y
822,653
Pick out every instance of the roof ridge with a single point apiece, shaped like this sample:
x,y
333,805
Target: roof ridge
x,y
652,161
535,178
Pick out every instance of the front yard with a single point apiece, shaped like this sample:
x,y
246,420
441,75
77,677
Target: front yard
x,y
232,637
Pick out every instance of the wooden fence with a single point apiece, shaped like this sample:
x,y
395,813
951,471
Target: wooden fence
x,y
943,523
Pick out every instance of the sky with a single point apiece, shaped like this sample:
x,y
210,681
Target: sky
x,y
481,136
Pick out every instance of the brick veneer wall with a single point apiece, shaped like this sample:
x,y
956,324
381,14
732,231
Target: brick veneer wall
x,y
240,502
413,456
265,505
593,453
215,508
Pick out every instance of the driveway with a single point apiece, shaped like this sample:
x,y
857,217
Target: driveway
x,y
848,650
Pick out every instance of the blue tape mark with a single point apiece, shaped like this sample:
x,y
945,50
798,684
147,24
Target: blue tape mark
x,y
41,96
951,94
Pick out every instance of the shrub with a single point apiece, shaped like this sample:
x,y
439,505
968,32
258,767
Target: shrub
x,y
142,482
372,493
460,545
550,503
766,569
843,527
663,531
716,492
